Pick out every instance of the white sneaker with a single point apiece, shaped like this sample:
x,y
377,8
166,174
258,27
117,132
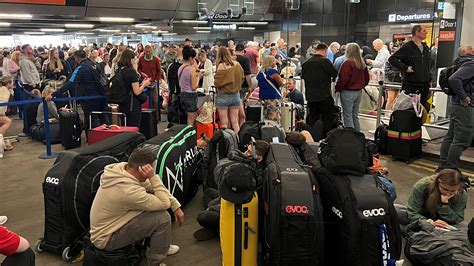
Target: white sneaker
x,y
2,146
3,219
173,250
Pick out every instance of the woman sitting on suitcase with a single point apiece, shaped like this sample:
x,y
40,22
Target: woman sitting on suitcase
x,y
189,76
228,81
269,82
439,199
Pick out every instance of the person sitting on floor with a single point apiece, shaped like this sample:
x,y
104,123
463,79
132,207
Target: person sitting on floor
x,y
440,199
209,218
16,249
131,205
53,110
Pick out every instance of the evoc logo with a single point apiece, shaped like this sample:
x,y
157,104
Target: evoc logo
x,y
374,212
337,212
296,209
52,180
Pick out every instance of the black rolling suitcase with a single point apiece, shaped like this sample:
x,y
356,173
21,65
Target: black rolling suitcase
x,y
404,135
293,227
69,188
254,113
149,123
70,129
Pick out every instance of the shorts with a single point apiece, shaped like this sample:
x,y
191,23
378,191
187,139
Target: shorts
x,y
228,100
189,102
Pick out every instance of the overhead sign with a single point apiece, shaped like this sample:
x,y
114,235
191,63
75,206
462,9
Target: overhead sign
x,y
414,16
224,27
224,16
446,42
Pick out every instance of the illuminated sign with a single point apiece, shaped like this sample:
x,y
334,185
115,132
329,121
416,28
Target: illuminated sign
x,y
411,16
224,27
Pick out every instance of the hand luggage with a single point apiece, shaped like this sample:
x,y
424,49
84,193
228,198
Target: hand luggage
x,y
102,132
361,224
239,232
254,113
37,132
271,131
381,139
288,116
177,155
149,123
293,226
267,130
404,135
205,128
115,118
126,256
69,188
218,148
70,128
344,151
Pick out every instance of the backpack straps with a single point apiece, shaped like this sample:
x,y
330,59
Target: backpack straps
x,y
271,83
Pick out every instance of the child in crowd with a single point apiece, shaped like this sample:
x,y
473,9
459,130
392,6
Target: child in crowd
x,y
53,111
6,88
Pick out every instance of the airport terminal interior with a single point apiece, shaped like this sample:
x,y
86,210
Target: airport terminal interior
x,y
236,132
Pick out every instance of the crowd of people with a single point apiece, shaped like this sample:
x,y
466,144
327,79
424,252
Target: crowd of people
x,y
233,71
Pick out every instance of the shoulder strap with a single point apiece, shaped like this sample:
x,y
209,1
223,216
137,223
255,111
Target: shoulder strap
x,y
181,72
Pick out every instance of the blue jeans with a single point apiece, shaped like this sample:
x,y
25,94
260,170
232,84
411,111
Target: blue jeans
x,y
350,101
459,136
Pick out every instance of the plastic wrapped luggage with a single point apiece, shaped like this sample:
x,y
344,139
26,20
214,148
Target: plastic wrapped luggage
x,y
177,156
69,188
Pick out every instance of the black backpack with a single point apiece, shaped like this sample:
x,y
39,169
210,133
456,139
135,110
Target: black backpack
x,y
118,92
293,223
444,76
381,138
345,152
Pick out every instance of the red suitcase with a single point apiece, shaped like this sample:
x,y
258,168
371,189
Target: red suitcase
x,y
206,128
103,132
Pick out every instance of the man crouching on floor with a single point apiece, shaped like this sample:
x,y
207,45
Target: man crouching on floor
x,y
131,204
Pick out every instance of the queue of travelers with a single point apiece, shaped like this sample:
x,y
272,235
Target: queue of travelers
x,y
232,70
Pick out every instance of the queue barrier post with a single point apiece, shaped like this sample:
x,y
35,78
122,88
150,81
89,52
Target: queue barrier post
x,y
379,104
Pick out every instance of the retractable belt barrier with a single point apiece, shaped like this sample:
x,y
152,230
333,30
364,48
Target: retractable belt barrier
x,y
49,153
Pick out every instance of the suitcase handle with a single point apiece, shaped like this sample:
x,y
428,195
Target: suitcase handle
x,y
246,235
106,112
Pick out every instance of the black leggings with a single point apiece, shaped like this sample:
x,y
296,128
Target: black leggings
x,y
26,258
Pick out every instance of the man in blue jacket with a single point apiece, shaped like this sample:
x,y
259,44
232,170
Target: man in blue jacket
x,y
461,124
84,77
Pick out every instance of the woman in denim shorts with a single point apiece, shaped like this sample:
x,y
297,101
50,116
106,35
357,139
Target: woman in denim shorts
x,y
228,81
189,77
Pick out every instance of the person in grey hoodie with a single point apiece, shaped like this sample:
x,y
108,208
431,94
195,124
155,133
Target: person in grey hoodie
x,y
461,124
29,66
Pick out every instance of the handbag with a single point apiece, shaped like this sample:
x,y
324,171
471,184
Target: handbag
x,y
406,102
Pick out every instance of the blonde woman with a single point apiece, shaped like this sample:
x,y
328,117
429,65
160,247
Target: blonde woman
x,y
269,82
13,65
228,81
55,68
114,67
353,77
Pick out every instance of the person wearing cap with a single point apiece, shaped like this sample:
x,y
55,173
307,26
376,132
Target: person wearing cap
x,y
131,204
234,188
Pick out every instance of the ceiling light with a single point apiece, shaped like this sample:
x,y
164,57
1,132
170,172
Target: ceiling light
x,y
106,30
52,30
170,34
16,16
203,31
141,26
4,24
308,24
115,19
202,28
227,23
256,23
160,31
34,33
246,28
194,21
85,33
79,26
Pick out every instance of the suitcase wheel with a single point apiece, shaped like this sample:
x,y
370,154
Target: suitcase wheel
x,y
65,255
38,245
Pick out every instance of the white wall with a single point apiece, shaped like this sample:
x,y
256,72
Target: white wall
x,y
467,33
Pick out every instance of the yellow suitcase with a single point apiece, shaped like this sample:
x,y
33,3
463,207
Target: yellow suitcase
x,y
239,232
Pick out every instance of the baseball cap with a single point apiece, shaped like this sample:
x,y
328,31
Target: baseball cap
x,y
239,183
